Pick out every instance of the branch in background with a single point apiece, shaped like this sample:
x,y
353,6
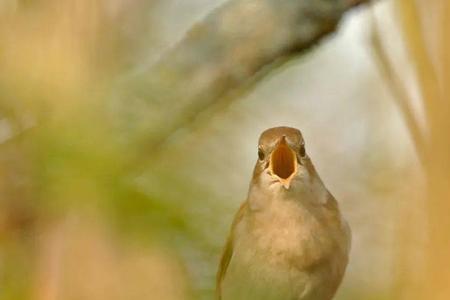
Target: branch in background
x,y
224,52
398,91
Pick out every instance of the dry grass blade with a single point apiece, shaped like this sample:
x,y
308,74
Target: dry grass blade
x,y
414,38
398,91
438,159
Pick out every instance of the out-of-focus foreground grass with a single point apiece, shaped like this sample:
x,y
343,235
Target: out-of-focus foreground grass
x,y
425,27
71,225
77,219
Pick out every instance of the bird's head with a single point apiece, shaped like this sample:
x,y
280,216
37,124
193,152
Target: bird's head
x,y
282,157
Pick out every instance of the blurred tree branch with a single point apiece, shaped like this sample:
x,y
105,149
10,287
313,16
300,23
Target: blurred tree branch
x,y
231,47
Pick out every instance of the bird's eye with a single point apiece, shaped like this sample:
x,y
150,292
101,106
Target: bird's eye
x,y
260,154
302,151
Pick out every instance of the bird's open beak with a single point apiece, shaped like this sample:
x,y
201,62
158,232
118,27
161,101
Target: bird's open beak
x,y
283,163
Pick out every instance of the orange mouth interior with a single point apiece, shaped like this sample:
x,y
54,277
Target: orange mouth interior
x,y
283,161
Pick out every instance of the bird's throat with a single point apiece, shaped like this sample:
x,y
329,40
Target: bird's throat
x,y
283,164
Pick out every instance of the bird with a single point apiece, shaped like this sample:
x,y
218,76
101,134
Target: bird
x,y
288,240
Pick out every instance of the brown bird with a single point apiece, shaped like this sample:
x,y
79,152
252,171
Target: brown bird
x,y
288,241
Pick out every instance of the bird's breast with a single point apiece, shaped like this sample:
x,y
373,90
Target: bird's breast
x,y
286,235
287,250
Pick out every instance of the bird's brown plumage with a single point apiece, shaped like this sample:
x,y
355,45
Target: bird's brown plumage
x,y
292,234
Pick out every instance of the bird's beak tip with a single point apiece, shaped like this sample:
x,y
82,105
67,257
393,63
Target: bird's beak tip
x,y
287,185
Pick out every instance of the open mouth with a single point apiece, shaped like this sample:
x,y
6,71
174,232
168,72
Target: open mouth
x,y
283,163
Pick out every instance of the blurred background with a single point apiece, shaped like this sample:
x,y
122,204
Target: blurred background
x,y
88,212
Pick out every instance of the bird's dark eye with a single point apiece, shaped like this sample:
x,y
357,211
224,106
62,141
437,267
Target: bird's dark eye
x,y
302,151
260,154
